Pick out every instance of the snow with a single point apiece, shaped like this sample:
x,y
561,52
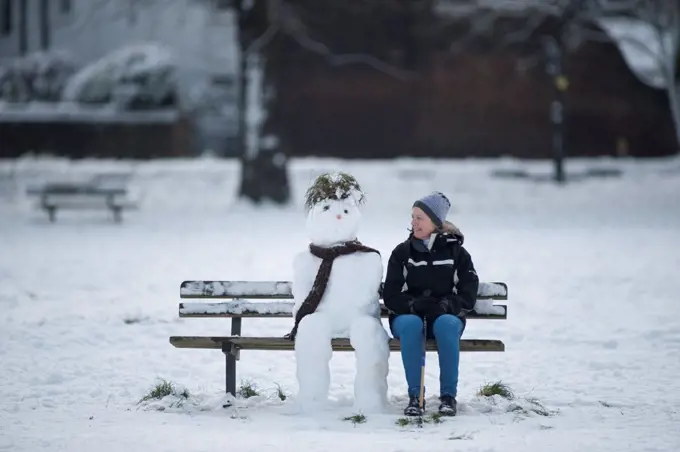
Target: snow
x,y
285,308
487,307
331,222
104,78
87,307
491,290
313,352
36,76
238,307
237,288
283,289
350,307
643,48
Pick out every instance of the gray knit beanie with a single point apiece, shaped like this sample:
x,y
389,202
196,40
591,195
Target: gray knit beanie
x,y
436,205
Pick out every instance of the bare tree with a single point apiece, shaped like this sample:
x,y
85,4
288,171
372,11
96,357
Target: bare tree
x,y
652,29
45,25
23,27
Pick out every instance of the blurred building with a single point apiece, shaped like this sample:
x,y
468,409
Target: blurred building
x,y
198,36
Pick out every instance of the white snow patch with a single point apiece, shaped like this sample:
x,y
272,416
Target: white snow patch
x,y
643,48
236,288
106,76
284,289
237,306
487,307
573,257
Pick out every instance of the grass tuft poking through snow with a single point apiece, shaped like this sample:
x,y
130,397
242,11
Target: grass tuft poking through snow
x,y
280,393
248,389
356,419
432,418
163,389
497,388
403,421
532,406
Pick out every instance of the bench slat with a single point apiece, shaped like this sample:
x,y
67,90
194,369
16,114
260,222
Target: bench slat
x,y
283,290
282,309
75,189
341,345
75,204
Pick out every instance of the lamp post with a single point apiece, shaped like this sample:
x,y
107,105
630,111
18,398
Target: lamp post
x,y
555,68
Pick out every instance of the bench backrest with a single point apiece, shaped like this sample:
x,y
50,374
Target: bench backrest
x,y
242,293
282,290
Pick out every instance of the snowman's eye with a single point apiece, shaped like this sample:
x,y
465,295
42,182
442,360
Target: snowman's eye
x,y
346,211
325,208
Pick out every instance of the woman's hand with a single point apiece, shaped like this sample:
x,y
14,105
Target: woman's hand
x,y
425,305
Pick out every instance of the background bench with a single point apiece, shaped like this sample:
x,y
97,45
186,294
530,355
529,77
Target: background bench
x,y
102,191
250,299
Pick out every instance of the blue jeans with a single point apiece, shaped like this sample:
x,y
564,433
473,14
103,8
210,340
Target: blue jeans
x,y
447,330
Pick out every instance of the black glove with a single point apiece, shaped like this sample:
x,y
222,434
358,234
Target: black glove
x,y
421,306
441,307
454,304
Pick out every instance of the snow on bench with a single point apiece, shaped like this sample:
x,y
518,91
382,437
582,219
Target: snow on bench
x,y
237,307
283,289
241,292
246,308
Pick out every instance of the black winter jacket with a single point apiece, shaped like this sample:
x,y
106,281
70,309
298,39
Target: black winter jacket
x,y
446,270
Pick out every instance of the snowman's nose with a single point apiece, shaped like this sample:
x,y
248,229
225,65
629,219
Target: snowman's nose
x,y
338,216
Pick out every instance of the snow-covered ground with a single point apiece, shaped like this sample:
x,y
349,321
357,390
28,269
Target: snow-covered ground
x,y
87,306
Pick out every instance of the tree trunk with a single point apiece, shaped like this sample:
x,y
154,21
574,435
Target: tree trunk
x,y
263,171
23,27
673,81
44,25
242,104
674,102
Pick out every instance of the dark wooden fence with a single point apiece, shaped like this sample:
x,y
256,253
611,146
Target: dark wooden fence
x,y
95,134
470,105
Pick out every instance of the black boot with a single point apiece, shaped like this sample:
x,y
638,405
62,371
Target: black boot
x,y
413,408
448,406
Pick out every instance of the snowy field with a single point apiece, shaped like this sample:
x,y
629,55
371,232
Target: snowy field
x,y
87,307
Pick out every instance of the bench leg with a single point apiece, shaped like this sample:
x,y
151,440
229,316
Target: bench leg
x,y
52,213
231,372
231,357
117,214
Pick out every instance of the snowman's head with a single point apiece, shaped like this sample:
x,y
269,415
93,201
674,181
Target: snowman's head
x,y
333,213
333,221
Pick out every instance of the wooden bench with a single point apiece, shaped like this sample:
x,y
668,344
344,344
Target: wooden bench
x,y
248,299
107,191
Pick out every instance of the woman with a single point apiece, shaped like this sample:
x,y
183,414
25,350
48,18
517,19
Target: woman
x,y
430,276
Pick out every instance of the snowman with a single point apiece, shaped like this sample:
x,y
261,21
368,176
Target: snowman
x,y
335,287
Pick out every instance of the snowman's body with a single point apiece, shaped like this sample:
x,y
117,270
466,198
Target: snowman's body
x,y
352,289
349,308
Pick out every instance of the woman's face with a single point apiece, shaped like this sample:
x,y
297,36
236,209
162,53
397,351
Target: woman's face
x,y
421,224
